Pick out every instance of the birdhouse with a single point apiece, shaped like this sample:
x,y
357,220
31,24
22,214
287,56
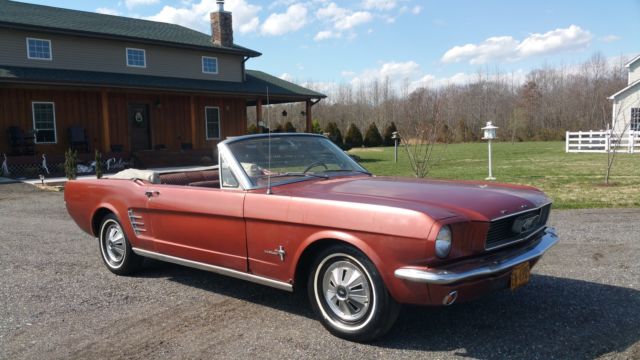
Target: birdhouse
x,y
489,131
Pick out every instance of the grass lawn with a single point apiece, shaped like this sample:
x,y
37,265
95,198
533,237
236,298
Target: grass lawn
x,y
571,180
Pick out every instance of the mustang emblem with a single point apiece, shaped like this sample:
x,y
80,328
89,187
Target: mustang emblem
x,y
525,223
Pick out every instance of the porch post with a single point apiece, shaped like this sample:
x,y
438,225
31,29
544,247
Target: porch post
x,y
258,111
106,141
192,117
309,117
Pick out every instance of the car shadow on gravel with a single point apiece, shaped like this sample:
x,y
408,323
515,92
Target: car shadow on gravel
x,y
549,318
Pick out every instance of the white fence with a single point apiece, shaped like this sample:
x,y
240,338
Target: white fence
x,y
602,142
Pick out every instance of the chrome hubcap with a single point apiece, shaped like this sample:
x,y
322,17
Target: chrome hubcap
x,y
346,290
114,245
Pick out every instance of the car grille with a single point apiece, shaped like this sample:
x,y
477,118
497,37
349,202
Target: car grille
x,y
501,232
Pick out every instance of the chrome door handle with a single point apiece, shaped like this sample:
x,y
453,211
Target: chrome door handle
x,y
150,193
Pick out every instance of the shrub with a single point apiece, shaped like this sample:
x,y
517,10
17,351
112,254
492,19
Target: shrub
x,y
353,137
278,129
253,129
372,137
99,165
71,164
334,133
288,127
315,127
388,133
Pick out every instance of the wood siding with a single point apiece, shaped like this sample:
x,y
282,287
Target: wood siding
x,y
89,54
169,117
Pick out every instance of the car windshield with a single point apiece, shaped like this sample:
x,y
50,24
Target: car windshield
x,y
287,157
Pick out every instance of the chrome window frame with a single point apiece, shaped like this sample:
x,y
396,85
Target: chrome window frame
x,y
241,175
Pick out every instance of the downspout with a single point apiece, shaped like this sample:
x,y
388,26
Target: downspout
x,y
244,72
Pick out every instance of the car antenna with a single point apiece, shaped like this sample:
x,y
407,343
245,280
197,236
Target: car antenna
x,y
269,192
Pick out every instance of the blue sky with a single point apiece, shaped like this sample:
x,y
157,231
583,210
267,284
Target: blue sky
x,y
426,42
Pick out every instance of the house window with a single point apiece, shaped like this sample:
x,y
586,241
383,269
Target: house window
x,y
136,58
209,65
44,122
635,119
38,49
212,120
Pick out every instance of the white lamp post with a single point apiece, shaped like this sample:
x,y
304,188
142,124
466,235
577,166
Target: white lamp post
x,y
489,134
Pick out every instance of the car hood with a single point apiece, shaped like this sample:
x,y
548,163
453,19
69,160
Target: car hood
x,y
477,201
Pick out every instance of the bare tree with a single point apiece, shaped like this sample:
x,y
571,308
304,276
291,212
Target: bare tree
x,y
422,130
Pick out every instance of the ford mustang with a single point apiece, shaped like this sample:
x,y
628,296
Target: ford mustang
x,y
295,212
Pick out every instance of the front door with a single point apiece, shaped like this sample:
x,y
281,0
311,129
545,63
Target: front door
x,y
140,127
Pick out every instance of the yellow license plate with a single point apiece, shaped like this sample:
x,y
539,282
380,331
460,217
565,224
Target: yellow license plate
x,y
520,275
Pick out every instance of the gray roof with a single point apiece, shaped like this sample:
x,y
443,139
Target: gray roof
x,y
53,19
255,86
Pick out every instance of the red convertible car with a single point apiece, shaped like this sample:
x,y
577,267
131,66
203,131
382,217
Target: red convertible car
x,y
293,211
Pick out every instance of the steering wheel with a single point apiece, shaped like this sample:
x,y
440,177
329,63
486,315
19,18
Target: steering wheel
x,y
314,164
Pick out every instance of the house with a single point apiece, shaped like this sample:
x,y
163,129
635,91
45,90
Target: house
x,y
626,102
624,132
128,86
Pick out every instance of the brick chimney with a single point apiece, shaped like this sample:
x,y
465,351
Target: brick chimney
x,y
221,29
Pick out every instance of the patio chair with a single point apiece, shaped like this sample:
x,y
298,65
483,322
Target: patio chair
x,y
78,139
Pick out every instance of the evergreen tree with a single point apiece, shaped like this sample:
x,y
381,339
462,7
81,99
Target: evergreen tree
x,y
334,133
353,137
372,137
388,134
288,127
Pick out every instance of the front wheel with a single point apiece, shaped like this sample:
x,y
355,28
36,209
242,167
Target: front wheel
x,y
115,248
349,296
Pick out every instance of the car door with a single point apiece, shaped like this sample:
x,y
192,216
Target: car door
x,y
199,224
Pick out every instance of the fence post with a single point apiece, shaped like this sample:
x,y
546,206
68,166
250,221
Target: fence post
x,y
607,141
579,140
566,139
631,141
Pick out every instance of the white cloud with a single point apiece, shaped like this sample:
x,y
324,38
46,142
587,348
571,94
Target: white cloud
x,y
506,48
325,35
396,72
196,15
416,10
287,77
279,24
492,48
107,11
379,4
350,21
133,3
610,38
341,19
571,38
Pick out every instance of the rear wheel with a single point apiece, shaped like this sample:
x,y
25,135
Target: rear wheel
x,y
348,294
115,248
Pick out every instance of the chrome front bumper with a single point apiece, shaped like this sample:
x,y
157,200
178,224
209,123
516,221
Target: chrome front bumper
x,y
485,266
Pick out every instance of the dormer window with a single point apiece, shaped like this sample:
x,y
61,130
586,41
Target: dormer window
x,y
209,65
136,58
38,49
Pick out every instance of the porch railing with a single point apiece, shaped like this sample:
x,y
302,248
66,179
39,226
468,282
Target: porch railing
x,y
602,141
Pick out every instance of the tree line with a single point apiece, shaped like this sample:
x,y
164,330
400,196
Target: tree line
x,y
542,105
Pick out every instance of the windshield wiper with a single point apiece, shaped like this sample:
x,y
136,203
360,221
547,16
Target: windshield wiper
x,y
349,170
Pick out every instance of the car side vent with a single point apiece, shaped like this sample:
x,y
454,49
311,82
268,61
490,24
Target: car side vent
x,y
137,222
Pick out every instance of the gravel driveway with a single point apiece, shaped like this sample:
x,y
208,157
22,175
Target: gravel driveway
x,y
57,300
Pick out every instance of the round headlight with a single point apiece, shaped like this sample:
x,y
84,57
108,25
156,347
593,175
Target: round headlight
x,y
443,242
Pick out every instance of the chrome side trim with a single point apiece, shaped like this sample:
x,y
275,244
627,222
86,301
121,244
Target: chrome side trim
x,y
215,269
485,266
137,222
